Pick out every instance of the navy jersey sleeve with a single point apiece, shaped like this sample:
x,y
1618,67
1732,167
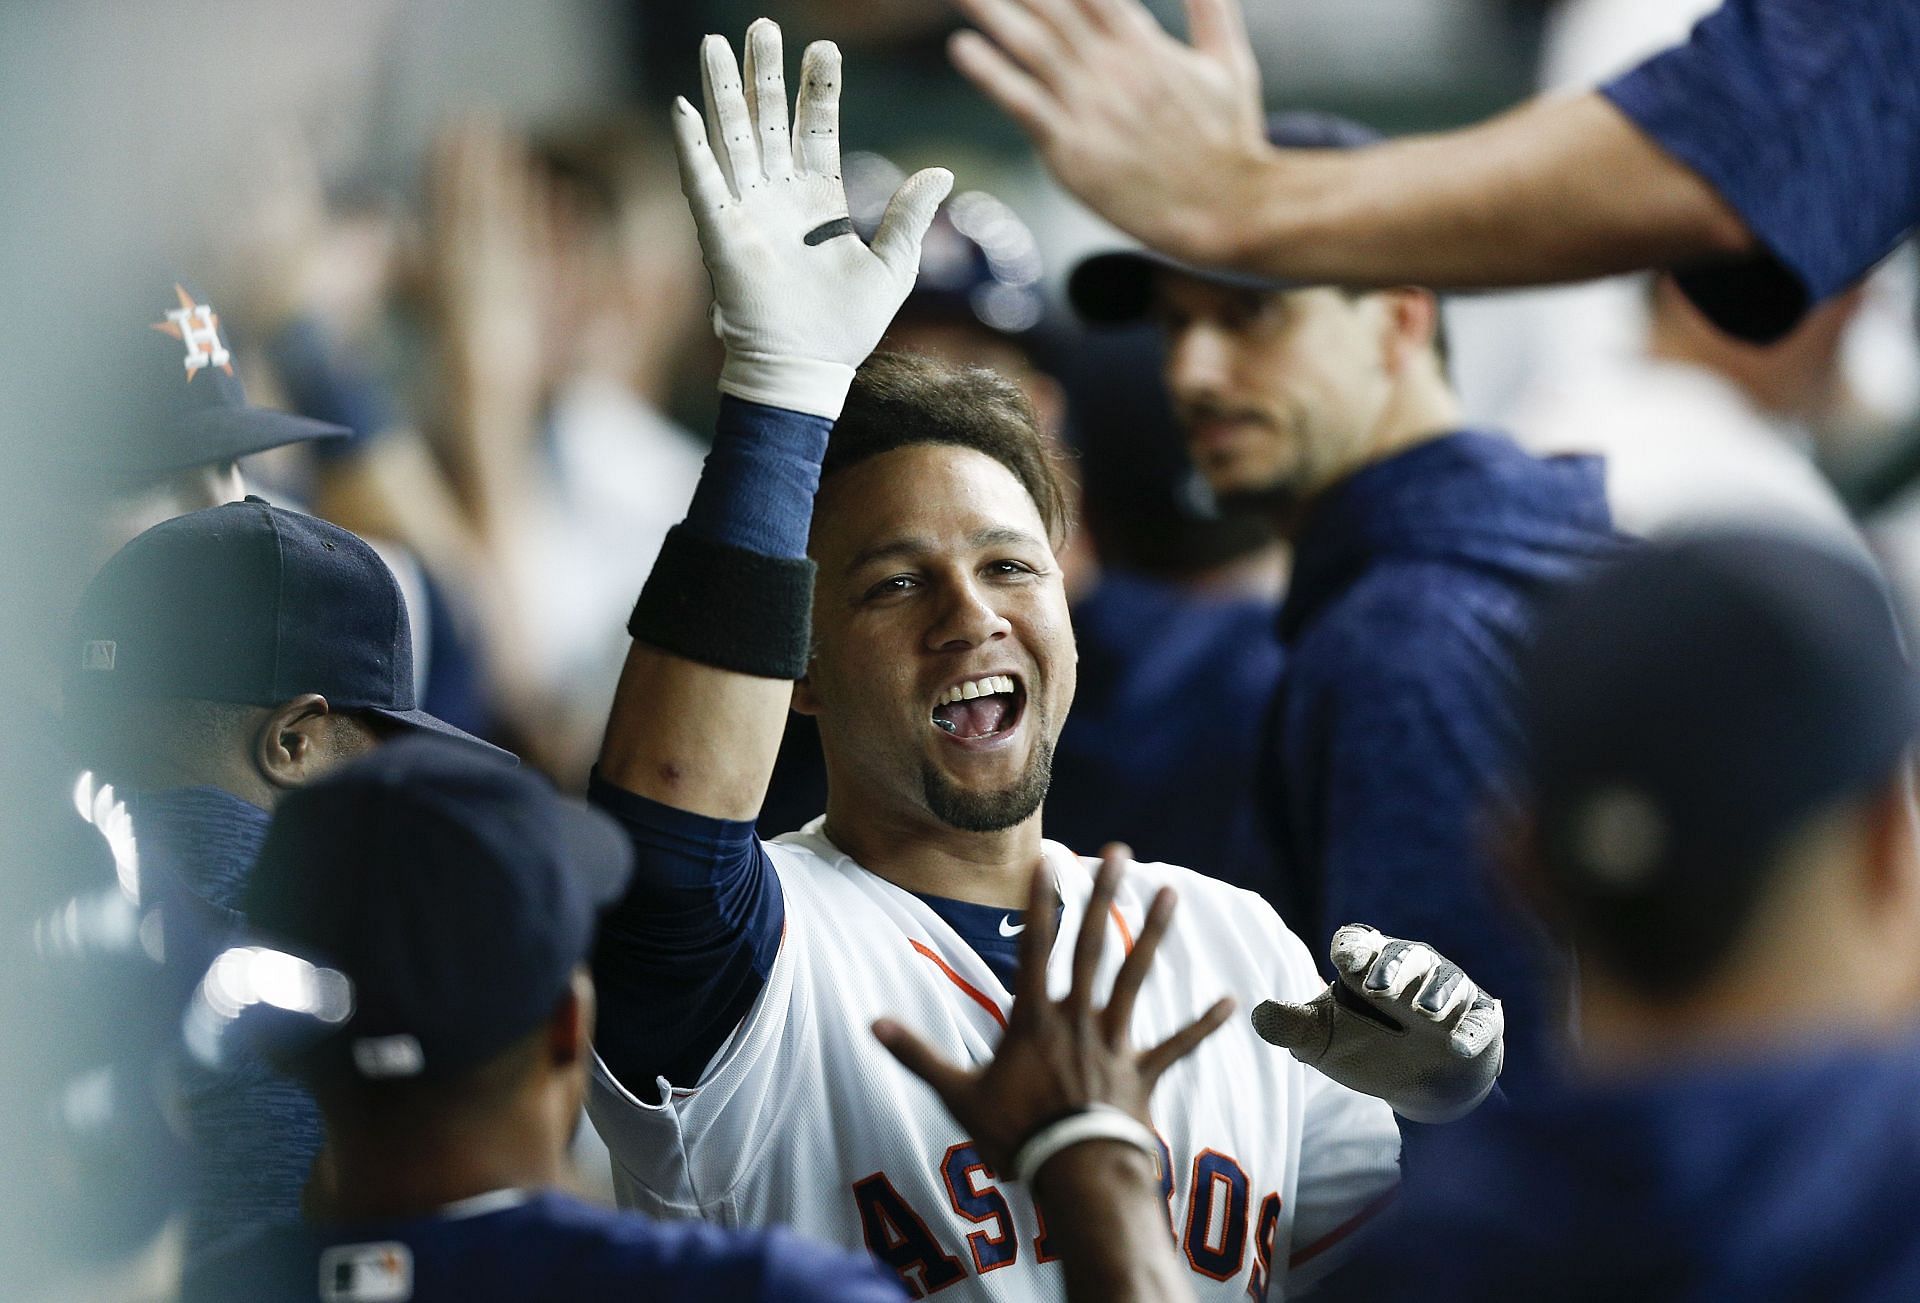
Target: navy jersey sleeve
x,y
681,958
1805,116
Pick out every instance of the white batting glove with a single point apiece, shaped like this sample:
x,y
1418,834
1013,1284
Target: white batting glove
x,y
799,300
1401,1024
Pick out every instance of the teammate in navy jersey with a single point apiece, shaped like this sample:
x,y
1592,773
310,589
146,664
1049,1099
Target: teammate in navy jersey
x,y
1773,158
459,897
215,663
1721,819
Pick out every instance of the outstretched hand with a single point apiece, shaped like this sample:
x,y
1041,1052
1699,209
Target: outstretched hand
x,y
1060,1056
799,299
1400,1023
1155,135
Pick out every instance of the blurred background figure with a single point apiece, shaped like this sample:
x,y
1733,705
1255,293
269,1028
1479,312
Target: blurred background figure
x,y
94,980
193,426
1697,427
1720,818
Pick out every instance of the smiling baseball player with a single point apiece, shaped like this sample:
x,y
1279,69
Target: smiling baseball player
x,y
918,614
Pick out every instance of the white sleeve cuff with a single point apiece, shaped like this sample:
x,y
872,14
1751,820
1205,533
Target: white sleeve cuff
x,y
798,384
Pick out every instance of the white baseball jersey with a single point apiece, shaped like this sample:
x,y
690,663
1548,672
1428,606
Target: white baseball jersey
x,y
803,1118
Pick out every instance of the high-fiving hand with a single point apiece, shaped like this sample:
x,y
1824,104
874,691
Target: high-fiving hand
x,y
799,299
1059,1056
1157,136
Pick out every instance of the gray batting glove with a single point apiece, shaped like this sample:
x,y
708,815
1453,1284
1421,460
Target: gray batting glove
x,y
1401,1024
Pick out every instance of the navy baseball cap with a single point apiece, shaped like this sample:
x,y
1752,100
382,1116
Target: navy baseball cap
x,y
187,404
455,893
248,602
1116,286
1695,701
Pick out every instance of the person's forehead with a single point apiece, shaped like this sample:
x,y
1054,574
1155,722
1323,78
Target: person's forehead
x,y
938,493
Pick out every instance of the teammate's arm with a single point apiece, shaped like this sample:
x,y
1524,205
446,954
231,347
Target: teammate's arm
x,y
1063,1069
1165,139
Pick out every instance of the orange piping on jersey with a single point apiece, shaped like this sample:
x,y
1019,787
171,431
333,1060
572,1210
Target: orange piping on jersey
x,y
979,997
1119,921
1343,1230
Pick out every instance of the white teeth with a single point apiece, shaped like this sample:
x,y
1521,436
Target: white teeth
x,y
985,687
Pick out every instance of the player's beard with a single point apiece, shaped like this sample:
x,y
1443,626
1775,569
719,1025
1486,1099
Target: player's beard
x,y
992,811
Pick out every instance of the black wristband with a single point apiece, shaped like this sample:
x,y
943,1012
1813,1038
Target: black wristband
x,y
727,607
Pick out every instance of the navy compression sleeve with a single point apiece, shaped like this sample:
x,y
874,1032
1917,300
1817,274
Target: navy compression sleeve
x,y
682,957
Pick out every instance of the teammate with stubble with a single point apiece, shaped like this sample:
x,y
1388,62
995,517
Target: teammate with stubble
x,y
756,994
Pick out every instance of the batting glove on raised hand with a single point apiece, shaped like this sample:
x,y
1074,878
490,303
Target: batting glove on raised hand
x,y
1401,1024
799,300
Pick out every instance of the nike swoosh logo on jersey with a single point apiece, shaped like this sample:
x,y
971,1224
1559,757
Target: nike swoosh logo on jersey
x,y
1009,928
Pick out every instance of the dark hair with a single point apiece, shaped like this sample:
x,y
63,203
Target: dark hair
x,y
902,399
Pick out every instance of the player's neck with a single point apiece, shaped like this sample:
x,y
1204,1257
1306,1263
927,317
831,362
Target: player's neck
x,y
926,856
1755,1008
392,1172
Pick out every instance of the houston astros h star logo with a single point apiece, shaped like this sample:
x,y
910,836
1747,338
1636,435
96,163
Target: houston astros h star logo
x,y
198,327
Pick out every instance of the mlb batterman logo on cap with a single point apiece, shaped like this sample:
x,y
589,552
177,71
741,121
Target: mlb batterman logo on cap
x,y
249,603
188,407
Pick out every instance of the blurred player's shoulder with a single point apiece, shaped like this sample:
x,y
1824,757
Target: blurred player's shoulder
x,y
545,1245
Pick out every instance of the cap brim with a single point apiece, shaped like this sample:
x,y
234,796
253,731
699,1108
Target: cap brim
x,y
228,434
426,723
1116,287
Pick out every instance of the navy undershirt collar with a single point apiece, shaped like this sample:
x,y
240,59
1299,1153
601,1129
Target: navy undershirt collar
x,y
994,933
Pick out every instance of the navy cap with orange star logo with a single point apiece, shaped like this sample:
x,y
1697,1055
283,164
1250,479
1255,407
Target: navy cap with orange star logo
x,y
190,407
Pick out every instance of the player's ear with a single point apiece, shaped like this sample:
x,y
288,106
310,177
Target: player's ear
x,y
1893,858
804,702
287,746
570,1028
1412,322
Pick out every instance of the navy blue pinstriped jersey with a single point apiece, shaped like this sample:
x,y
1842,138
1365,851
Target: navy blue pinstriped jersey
x,y
517,1249
1805,116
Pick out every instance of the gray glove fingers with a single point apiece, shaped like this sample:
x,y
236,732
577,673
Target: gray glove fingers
x,y
1400,963
1305,1029
1482,1024
816,111
909,214
729,129
766,80
1445,989
700,178
1354,947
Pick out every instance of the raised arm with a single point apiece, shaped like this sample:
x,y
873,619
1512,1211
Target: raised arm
x,y
1165,139
721,628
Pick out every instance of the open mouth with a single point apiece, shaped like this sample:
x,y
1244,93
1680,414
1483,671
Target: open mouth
x,y
986,707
